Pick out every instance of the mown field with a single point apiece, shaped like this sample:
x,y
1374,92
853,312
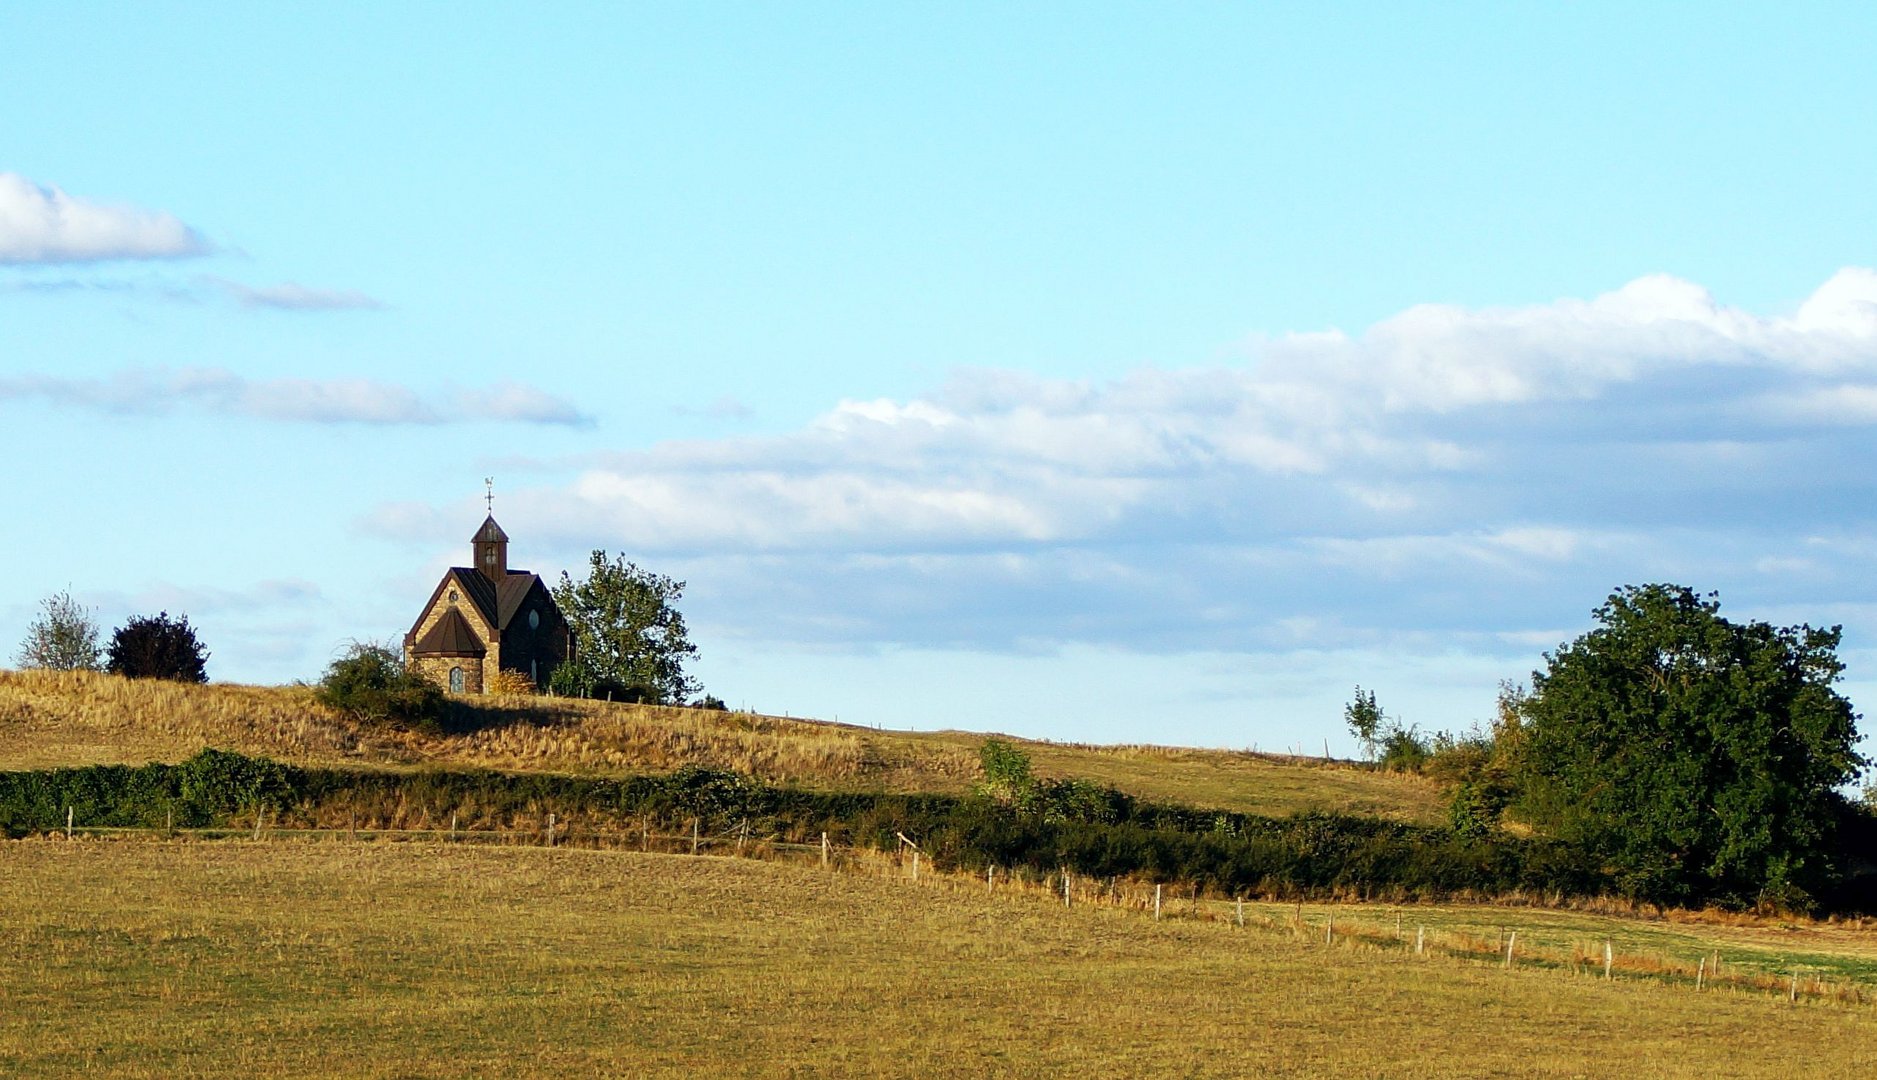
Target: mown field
x,y
127,958
52,719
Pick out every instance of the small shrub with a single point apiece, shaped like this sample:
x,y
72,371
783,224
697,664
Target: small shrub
x,y
1403,749
1074,800
1455,759
577,680
158,647
371,683
1006,770
509,682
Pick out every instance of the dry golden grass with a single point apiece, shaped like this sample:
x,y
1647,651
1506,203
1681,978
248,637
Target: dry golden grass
x,y
276,959
49,719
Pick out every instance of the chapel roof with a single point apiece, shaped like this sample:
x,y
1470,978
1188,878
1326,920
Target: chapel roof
x,y
450,636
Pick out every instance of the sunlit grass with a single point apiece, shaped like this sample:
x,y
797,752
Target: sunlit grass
x,y
271,959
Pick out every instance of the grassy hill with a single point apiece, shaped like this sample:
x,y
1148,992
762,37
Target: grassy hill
x,y
414,960
52,719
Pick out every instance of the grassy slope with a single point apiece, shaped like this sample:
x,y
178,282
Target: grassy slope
x,y
243,959
48,719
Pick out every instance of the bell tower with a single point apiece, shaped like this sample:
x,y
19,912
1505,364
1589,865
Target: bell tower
x,y
490,542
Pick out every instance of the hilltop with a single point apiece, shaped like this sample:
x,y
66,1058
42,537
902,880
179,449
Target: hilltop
x,y
56,719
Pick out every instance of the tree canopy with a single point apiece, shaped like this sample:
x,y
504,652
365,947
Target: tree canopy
x,y
1699,757
158,647
63,638
630,639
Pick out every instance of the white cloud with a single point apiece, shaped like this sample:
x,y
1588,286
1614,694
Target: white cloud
x,y
292,296
136,391
1447,471
42,224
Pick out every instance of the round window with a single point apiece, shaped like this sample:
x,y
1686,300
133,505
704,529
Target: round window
x,y
534,620
452,596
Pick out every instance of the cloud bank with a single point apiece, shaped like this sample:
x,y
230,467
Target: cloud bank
x,y
43,225
218,391
1449,478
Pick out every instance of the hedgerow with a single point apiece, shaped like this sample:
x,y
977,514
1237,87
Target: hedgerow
x,y
1074,825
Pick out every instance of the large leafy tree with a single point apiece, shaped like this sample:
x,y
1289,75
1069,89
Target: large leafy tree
x,y
1699,757
63,638
630,640
158,647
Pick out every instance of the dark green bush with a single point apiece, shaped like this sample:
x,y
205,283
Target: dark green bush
x,y
371,683
157,647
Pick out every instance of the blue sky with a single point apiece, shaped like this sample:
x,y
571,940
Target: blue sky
x,y
1119,372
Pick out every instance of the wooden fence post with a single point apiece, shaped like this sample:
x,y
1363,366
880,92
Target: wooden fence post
x,y
258,815
824,850
1329,929
1511,943
550,829
169,821
1065,888
1420,940
1701,974
694,827
990,879
1793,994
1609,958
1241,912
68,822
915,864
1156,903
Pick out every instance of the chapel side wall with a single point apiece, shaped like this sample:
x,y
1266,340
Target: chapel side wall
x,y
545,645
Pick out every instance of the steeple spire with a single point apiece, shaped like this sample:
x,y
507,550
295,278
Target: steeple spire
x,y
490,542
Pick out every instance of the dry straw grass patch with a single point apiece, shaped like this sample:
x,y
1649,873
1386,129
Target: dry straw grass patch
x,y
273,959
50,719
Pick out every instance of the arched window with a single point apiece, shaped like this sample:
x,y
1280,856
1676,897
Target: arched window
x,y
456,680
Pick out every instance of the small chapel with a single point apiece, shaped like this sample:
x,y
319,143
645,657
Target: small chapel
x,y
486,618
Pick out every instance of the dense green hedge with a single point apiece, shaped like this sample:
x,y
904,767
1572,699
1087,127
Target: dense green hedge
x,y
1086,828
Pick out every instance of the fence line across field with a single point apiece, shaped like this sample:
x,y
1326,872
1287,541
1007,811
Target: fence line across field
x,y
1060,885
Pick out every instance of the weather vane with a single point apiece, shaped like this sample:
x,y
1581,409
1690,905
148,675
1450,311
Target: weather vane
x,y
488,495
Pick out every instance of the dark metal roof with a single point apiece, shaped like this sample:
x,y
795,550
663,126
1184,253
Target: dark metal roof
x,y
489,531
510,592
451,636
497,602
479,589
